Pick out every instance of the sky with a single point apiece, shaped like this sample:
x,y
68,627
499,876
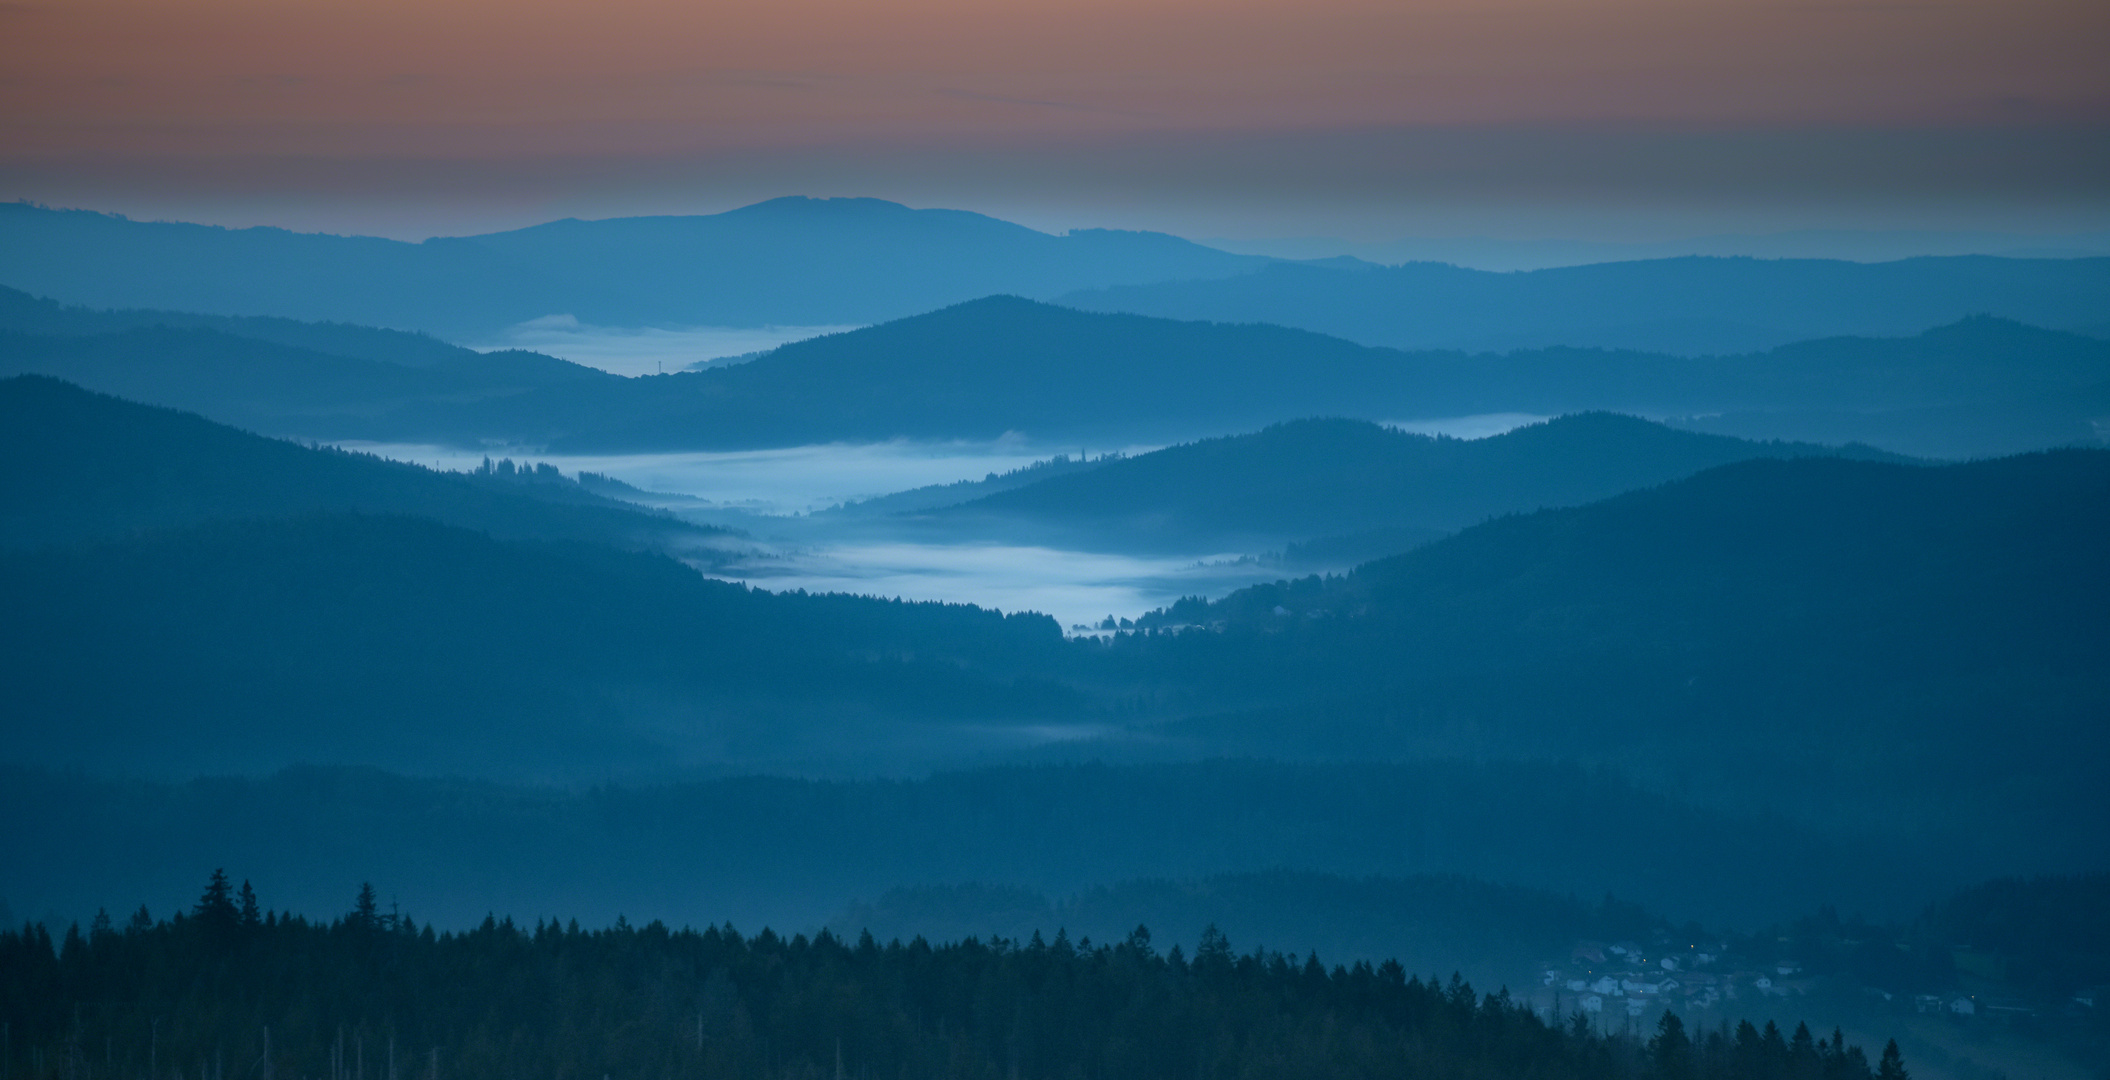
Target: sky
x,y
1609,120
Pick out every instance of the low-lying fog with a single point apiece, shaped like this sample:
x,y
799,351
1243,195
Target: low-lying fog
x,y
794,480
645,350
772,496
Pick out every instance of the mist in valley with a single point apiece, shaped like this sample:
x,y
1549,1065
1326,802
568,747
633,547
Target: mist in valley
x,y
831,635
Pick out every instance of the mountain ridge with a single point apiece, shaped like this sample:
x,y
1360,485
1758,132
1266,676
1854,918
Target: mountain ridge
x,y
1689,305
788,261
998,366
1306,479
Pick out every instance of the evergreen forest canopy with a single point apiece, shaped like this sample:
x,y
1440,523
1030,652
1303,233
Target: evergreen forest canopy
x,y
230,986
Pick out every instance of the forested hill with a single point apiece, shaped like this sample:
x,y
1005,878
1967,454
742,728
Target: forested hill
x,y
1324,478
792,261
409,644
1710,628
1685,306
83,464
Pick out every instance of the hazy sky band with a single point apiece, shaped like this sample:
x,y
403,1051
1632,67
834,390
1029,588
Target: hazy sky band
x,y
1034,107
1594,183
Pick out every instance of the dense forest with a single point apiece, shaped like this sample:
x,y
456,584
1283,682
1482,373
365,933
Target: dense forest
x,y
232,987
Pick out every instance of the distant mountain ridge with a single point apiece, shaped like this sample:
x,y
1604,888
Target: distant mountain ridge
x,y
1689,306
804,261
1310,479
1006,365
789,261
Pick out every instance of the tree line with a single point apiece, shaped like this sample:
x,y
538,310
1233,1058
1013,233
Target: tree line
x,y
230,990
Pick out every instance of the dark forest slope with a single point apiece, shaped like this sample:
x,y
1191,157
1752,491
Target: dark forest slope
x,y
1879,640
400,642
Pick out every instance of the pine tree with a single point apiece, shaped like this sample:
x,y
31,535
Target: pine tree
x,y
252,918
1671,1049
1892,1067
366,910
216,914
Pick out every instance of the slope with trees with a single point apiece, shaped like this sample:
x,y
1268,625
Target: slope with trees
x,y
238,645
1831,638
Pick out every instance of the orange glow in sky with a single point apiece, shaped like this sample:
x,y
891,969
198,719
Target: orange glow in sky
x,y
139,81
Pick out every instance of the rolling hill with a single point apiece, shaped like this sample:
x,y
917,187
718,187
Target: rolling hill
x,y
84,465
1314,479
1918,648
249,645
1004,365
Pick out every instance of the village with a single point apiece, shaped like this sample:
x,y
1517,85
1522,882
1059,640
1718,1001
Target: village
x,y
1628,982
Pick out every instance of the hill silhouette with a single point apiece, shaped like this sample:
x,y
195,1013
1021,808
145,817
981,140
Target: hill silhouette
x,y
786,261
1324,478
87,465
1686,306
1003,365
289,390
404,643
21,313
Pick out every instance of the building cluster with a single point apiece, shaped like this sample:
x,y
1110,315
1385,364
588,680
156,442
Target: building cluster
x,y
1640,980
